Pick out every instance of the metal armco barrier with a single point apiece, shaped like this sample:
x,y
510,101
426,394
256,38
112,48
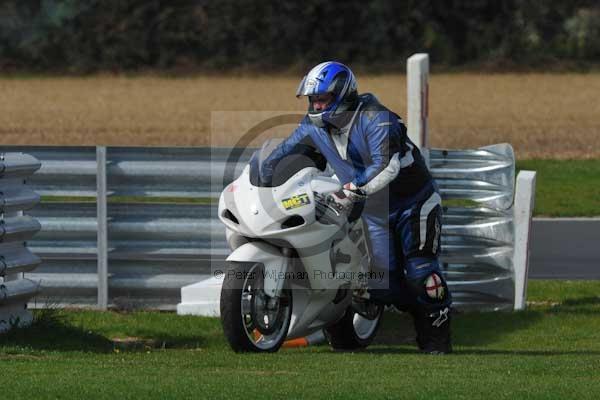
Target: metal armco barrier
x,y
478,241
485,175
15,230
156,245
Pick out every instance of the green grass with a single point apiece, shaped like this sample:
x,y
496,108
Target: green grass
x,y
552,350
566,188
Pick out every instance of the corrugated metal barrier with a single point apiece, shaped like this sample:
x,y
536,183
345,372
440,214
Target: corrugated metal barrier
x,y
161,215
15,230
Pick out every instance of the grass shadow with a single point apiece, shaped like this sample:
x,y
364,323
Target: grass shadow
x,y
50,330
161,330
468,329
395,329
582,301
53,330
147,339
585,305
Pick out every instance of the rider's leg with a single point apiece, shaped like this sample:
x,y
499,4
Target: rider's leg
x,y
419,229
387,284
431,310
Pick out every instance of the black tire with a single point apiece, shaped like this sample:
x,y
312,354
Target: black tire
x,y
239,327
347,334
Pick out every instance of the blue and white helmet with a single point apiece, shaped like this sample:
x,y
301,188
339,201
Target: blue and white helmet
x,y
330,77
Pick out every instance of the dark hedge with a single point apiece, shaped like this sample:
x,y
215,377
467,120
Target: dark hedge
x,y
123,35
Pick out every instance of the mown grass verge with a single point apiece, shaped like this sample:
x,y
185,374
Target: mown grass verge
x,y
552,350
566,188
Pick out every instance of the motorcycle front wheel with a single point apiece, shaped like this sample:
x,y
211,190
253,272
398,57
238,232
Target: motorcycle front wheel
x,y
253,321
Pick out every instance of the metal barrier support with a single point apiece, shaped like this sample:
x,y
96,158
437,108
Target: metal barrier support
x,y
102,221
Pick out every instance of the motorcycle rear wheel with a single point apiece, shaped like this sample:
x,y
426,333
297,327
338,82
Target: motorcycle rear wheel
x,y
249,324
354,331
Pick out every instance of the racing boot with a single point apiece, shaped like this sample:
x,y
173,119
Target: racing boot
x,y
433,330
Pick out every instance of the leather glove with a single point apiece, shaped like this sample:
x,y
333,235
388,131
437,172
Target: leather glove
x,y
354,193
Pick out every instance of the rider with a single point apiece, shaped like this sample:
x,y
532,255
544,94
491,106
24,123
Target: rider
x,y
368,148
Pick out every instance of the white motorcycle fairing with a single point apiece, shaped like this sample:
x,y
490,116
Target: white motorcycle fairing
x,y
268,255
256,217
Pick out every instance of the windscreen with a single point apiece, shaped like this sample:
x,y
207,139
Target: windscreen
x,y
301,156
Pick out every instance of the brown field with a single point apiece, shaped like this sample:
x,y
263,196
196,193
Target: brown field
x,y
541,115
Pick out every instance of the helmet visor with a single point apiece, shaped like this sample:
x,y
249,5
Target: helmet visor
x,y
309,87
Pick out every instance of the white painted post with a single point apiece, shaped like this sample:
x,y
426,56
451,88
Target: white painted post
x,y
417,76
523,210
102,238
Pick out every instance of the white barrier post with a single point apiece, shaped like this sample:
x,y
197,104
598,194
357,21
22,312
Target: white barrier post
x,y
523,210
417,76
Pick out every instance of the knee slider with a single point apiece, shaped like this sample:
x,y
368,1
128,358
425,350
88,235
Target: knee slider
x,y
435,287
426,281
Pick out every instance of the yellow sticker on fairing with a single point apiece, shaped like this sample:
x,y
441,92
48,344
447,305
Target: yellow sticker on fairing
x,y
296,201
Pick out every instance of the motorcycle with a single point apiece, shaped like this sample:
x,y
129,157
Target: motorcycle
x,y
299,259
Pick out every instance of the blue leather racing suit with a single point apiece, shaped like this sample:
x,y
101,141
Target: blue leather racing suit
x,y
402,211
